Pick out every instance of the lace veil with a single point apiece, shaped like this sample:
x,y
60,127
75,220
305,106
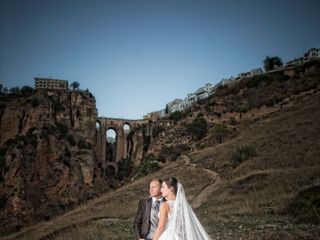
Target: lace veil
x,y
186,225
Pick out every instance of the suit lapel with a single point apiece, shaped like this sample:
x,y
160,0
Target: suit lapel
x,y
149,205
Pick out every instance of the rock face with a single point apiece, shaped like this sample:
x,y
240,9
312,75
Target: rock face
x,y
47,161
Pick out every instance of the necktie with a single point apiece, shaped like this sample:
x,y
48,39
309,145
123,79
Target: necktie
x,y
157,205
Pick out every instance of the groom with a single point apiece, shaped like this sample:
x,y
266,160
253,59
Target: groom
x,y
146,220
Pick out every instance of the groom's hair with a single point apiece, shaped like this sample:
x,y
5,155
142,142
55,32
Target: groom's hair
x,y
156,179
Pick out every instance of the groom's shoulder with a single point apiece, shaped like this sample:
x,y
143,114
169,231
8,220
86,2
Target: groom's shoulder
x,y
145,200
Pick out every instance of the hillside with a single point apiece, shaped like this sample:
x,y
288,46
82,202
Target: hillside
x,y
257,180
47,163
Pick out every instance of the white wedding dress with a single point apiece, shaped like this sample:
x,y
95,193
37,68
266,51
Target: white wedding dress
x,y
182,223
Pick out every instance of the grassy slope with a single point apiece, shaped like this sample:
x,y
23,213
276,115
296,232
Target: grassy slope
x,y
251,200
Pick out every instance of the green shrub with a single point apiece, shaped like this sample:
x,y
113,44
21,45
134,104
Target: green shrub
x,y
31,138
176,116
198,128
82,144
254,82
242,154
125,168
168,153
67,153
3,151
35,102
62,129
71,140
181,148
233,121
149,165
156,129
10,142
47,130
305,207
2,163
57,106
219,132
26,91
3,201
146,142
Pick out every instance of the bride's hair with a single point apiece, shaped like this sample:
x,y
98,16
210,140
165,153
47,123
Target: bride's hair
x,y
172,182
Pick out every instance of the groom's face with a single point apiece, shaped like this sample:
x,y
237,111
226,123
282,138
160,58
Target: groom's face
x,y
154,190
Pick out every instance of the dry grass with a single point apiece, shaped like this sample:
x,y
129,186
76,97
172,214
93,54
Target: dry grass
x,y
255,192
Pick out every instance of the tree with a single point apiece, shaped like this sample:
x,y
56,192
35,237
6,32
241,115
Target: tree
x,y
75,85
15,90
270,63
26,91
167,109
198,128
5,90
1,86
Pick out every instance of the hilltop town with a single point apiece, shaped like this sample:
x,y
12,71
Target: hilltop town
x,y
208,90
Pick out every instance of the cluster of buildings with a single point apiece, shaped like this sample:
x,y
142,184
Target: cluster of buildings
x,y
48,83
208,89
313,53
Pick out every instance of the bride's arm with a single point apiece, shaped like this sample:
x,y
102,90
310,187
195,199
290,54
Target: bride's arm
x,y
164,210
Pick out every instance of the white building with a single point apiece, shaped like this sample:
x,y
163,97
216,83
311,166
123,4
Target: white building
x,y
251,73
47,83
313,53
175,105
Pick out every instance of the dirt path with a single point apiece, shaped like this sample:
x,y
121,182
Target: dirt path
x,y
208,190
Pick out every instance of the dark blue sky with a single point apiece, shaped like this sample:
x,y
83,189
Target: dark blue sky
x,y
135,56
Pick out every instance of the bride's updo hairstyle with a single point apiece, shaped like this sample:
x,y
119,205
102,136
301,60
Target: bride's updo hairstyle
x,y
172,182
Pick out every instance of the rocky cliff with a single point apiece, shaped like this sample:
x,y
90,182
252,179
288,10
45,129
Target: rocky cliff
x,y
46,155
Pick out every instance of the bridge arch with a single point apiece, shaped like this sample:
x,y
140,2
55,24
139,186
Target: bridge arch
x,y
123,143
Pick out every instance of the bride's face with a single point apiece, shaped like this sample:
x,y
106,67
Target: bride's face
x,y
165,189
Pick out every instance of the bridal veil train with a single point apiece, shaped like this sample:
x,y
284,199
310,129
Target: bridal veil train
x,y
183,224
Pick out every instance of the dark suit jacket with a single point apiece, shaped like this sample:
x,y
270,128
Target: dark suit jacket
x,y
142,219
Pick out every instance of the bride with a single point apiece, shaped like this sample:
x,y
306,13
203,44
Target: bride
x,y
177,219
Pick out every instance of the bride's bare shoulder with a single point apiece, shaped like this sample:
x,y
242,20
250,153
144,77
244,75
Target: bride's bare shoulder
x,y
165,206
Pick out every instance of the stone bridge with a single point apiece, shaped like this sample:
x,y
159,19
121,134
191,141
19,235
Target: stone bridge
x,y
110,154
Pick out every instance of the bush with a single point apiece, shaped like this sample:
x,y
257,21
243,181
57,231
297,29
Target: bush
x,y
67,153
26,91
3,201
168,153
31,138
219,132
62,129
10,142
71,140
305,207
181,148
35,102
47,130
198,128
233,121
156,130
125,168
146,143
176,116
242,154
82,144
57,106
255,81
149,165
